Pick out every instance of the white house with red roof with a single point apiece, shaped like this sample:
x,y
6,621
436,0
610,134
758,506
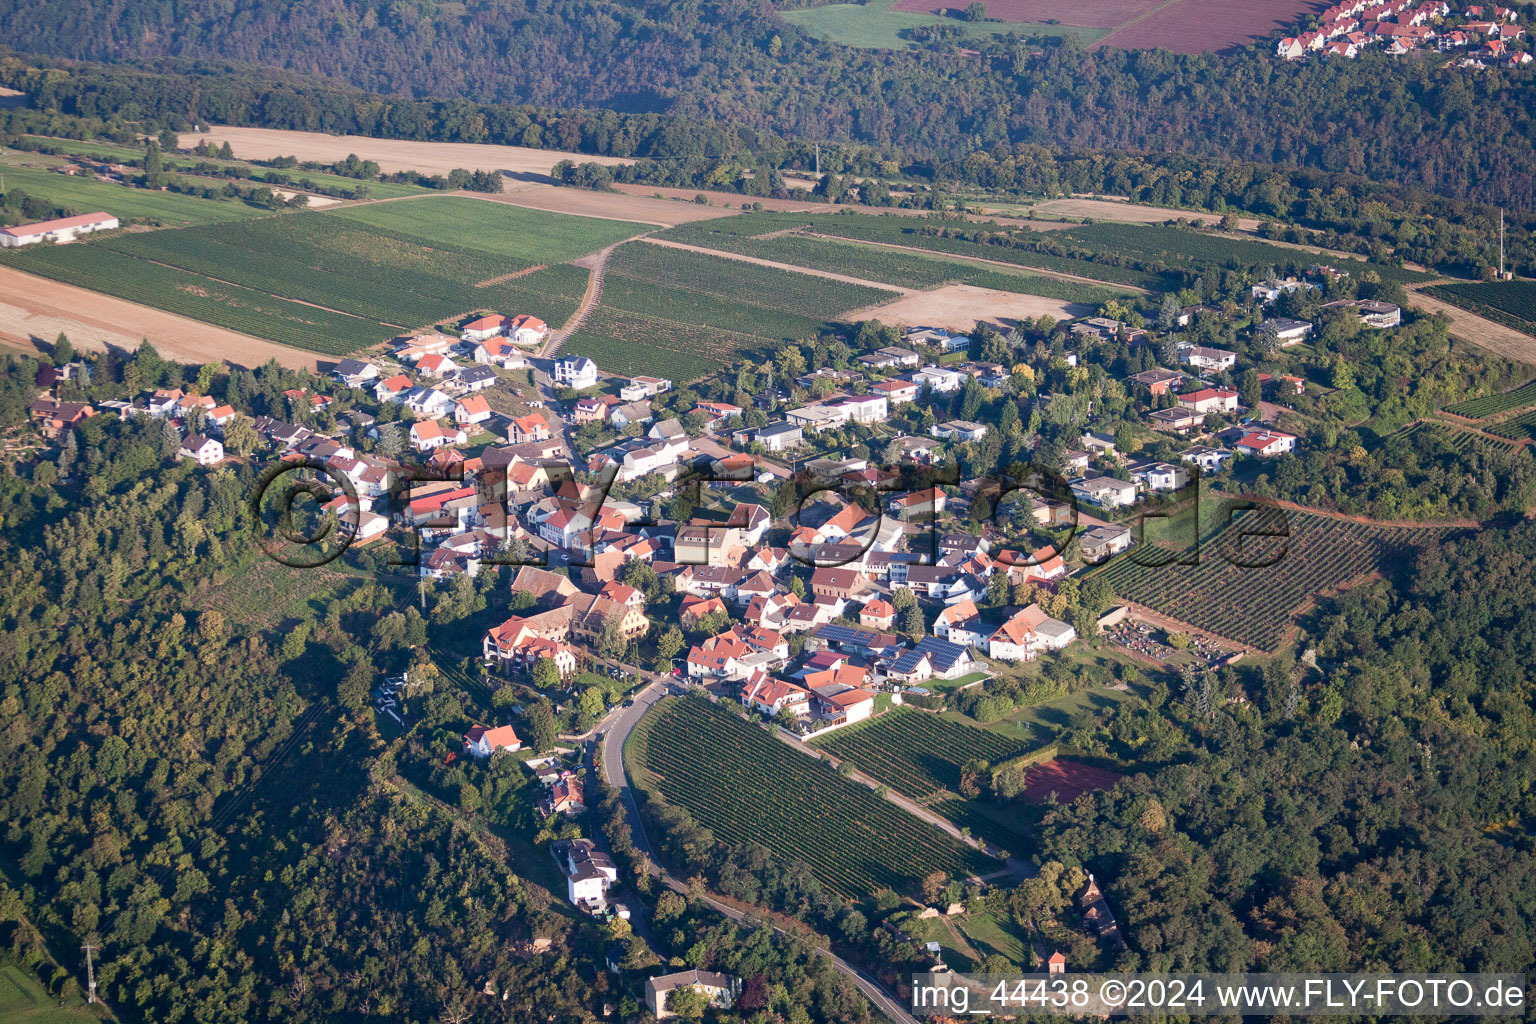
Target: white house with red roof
x,y
532,427
1209,400
481,742
769,696
472,409
392,389
499,352
527,330
429,434
436,366
484,327
1018,639
1266,443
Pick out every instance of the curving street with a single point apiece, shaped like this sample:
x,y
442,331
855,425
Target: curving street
x,y
616,729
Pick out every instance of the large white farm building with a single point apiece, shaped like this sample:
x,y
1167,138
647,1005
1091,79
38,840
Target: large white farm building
x,y
65,229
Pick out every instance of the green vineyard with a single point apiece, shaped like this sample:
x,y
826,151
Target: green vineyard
x,y
773,236
1201,250
1256,605
337,282
1511,303
682,314
1492,405
1520,428
747,787
176,291
917,754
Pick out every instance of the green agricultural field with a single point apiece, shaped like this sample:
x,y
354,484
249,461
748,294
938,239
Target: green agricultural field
x,y
875,26
1511,303
914,752
369,272
327,283
101,269
24,1001
1492,405
936,236
87,195
500,230
1254,603
906,269
682,314
1199,249
747,787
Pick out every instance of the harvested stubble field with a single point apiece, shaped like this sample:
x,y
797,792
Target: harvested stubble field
x,y
682,314
1511,303
389,154
749,788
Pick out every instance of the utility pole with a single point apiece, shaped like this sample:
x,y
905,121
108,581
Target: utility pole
x,y
90,973
1501,243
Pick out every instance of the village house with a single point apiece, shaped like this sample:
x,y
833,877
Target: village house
x,y
720,990
481,742
474,409
1266,443
1178,420
529,428
499,352
205,451
1103,542
1208,458
1204,358
1209,400
429,434
1157,380
576,373
589,873
775,697
1105,491
482,328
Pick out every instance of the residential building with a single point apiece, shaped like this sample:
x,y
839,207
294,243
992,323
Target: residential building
x,y
721,990
1157,380
1103,542
1209,459
205,451
481,742
1288,331
1105,491
576,372
1209,400
1205,358
1266,443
